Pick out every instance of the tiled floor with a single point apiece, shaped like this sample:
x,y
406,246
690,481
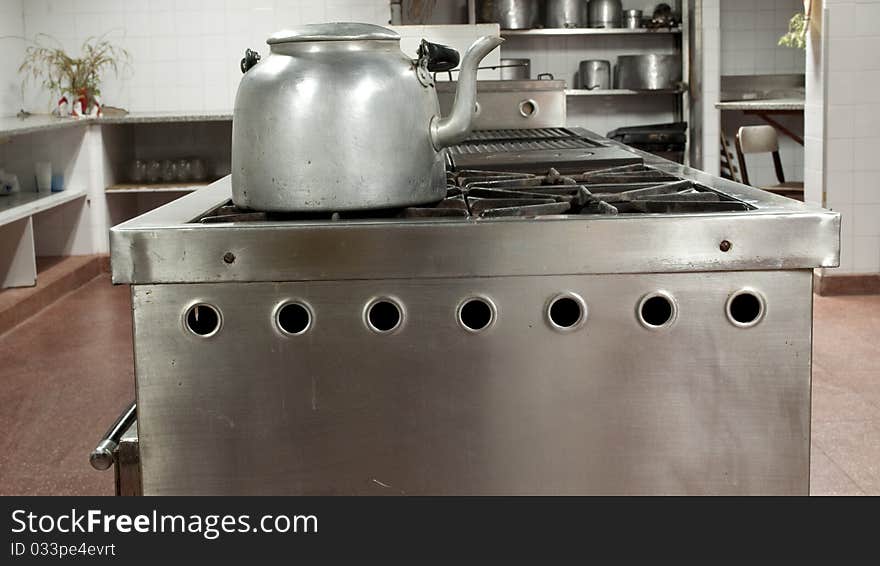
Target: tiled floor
x,y
846,396
67,371
63,374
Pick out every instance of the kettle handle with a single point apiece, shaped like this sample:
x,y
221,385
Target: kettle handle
x,y
439,58
250,59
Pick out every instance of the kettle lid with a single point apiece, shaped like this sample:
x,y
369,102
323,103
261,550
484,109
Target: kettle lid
x,y
341,31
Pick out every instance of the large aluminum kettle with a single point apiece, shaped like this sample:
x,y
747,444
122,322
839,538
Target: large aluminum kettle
x,y
338,118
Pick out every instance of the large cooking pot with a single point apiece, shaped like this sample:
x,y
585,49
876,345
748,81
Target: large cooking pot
x,y
648,72
566,13
516,69
513,14
605,14
595,74
338,118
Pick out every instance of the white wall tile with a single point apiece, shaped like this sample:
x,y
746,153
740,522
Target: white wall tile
x,y
866,220
170,41
750,31
866,187
12,46
842,185
866,254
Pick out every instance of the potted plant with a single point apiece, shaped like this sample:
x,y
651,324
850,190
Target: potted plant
x,y
797,28
77,79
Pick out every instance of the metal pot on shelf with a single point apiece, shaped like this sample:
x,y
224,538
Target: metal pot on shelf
x,y
511,14
633,19
648,72
595,74
515,69
566,14
338,118
605,14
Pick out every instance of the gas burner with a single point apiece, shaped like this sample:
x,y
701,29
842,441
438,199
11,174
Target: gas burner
x,y
627,189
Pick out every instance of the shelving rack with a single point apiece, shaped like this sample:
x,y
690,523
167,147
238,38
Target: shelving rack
x,y
680,36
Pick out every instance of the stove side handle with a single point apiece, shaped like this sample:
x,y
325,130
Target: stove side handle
x,y
104,454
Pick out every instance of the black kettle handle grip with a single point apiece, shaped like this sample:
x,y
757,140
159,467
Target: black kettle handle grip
x,y
250,59
440,58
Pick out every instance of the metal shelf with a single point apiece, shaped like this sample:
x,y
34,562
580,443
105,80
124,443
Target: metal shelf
x,y
588,31
619,92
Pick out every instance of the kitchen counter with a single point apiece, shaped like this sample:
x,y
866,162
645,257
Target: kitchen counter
x,y
14,126
769,104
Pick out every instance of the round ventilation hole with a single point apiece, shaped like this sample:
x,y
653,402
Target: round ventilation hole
x,y
745,308
567,312
293,318
528,108
476,314
656,310
384,315
202,319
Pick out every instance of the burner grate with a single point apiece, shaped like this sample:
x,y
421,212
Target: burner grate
x,y
629,189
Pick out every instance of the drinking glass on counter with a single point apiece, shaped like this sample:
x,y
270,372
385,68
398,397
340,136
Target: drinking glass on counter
x,y
138,171
43,175
184,170
169,171
154,171
198,171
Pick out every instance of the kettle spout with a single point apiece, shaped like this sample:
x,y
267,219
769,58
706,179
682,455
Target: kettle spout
x,y
457,125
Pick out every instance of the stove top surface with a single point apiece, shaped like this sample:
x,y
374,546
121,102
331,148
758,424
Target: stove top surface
x,y
654,216
473,194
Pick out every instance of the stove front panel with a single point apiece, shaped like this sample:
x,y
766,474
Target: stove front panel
x,y
701,406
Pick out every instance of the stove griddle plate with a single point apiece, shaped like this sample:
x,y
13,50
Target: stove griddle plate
x,y
535,150
629,189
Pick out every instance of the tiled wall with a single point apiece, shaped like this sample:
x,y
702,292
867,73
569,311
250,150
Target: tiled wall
x,y
750,30
851,136
12,50
185,53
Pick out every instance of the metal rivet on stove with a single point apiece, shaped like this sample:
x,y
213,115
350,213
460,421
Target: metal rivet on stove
x,y
229,257
725,246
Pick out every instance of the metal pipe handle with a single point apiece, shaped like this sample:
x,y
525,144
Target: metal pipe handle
x,y
104,454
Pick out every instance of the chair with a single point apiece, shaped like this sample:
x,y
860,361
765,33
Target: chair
x,y
763,139
728,165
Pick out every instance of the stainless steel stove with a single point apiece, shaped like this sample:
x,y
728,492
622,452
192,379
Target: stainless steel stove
x,y
610,328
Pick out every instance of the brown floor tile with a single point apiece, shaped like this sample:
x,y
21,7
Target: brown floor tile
x,y
865,384
827,478
855,447
832,403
